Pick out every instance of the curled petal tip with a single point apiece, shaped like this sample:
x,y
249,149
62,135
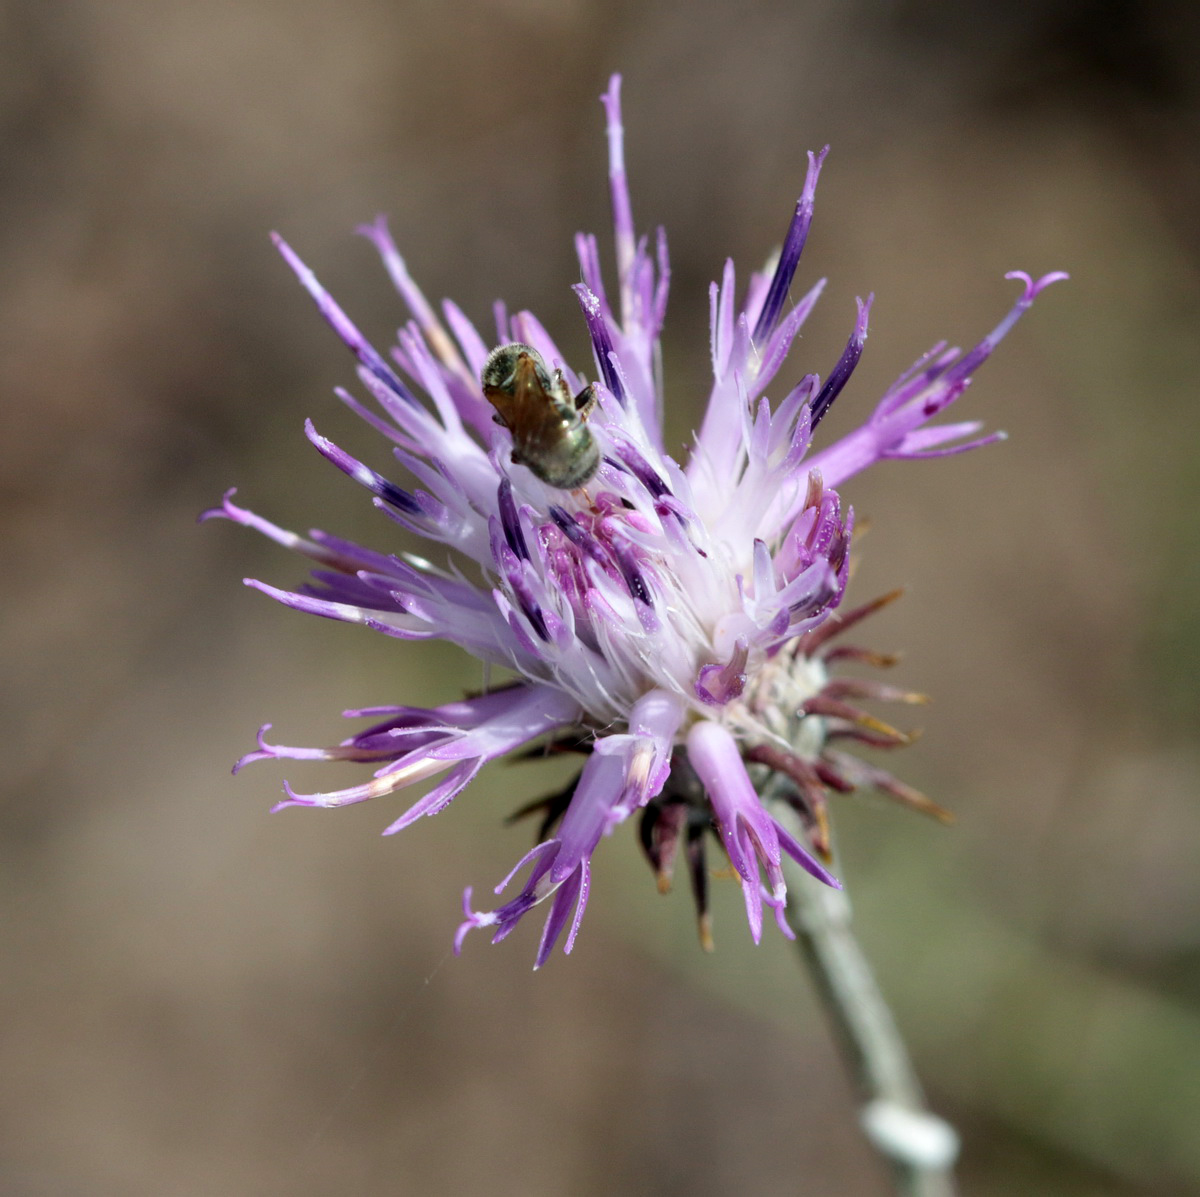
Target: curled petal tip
x,y
263,752
784,926
1034,288
376,231
1055,276
292,799
218,513
470,921
611,98
460,936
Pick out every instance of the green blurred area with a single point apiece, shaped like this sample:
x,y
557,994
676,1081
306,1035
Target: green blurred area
x,y
202,999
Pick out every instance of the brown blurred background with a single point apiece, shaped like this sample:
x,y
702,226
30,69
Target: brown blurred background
x,y
202,999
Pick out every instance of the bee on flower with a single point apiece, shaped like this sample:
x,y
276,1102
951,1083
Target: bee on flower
x,y
676,624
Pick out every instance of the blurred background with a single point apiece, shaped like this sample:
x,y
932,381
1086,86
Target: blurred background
x,y
201,999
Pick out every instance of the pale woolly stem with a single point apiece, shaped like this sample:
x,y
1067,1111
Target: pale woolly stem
x,y
919,1146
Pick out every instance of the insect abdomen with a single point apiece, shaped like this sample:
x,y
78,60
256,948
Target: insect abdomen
x,y
568,463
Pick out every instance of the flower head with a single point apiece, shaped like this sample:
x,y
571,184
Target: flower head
x,y
673,623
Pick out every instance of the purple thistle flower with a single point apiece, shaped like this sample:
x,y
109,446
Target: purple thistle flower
x,y
675,623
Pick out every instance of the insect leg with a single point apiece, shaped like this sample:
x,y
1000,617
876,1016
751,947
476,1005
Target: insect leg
x,y
585,401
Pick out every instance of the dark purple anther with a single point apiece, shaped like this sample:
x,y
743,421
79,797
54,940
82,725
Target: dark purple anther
x,y
377,484
641,469
397,497
577,534
789,255
509,521
588,544
602,346
568,524
840,374
632,576
529,605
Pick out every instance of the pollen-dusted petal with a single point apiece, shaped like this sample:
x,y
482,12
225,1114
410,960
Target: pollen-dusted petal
x,y
602,343
587,250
